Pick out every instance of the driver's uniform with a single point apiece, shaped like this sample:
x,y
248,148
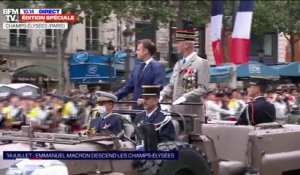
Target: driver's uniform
x,y
165,133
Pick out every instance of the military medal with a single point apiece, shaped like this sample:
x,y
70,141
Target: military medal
x,y
189,81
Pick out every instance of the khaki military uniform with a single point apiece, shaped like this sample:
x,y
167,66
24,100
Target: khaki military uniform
x,y
190,85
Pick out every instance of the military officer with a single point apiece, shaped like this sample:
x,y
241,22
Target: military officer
x,y
102,116
153,115
190,79
259,110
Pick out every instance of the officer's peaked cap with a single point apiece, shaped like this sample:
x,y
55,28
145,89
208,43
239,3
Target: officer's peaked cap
x,y
151,90
186,33
102,96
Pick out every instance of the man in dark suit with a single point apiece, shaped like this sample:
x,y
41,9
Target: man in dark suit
x,y
259,110
152,115
150,72
102,116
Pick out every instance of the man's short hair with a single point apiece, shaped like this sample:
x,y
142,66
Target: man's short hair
x,y
149,45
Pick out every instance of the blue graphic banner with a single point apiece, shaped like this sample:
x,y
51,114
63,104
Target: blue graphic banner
x,y
90,72
85,68
90,155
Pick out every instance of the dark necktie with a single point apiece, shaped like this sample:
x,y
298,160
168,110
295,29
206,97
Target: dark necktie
x,y
183,61
141,69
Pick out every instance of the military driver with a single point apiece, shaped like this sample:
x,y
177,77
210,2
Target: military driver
x,y
152,114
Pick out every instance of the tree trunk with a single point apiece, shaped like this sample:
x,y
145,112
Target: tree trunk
x,y
60,74
292,46
155,26
66,65
234,11
180,14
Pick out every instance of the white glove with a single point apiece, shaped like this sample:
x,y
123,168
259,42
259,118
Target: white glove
x,y
161,98
165,108
140,147
179,101
140,101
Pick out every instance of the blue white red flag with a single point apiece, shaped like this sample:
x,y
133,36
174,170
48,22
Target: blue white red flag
x,y
241,33
217,12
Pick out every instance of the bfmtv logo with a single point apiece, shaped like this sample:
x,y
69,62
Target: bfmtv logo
x,y
92,69
11,15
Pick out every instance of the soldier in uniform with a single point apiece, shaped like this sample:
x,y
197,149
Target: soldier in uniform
x,y
259,110
153,115
190,79
102,116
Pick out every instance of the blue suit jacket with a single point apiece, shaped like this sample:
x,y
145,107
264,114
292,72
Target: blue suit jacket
x,y
153,74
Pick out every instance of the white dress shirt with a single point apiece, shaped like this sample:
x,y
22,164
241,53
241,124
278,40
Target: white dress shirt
x,y
149,114
189,57
147,62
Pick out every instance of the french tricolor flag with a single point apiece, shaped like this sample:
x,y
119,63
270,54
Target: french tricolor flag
x,y
217,12
241,33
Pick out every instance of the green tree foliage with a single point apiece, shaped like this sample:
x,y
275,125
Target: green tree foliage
x,y
162,11
197,11
279,16
287,21
165,11
262,22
